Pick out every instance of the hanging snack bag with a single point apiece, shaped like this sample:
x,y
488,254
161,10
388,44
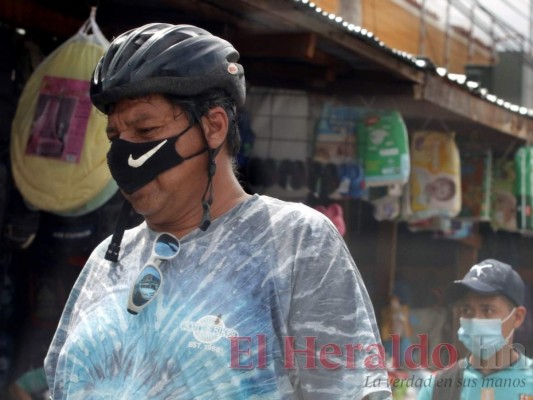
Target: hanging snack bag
x,y
58,144
435,181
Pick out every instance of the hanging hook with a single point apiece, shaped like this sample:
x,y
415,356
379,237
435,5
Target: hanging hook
x,y
443,125
426,123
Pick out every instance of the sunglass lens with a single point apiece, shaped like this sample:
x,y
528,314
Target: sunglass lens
x,y
166,246
146,285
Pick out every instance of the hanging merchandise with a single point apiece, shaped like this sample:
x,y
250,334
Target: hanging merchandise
x,y
324,181
352,184
336,133
504,205
291,181
476,172
58,144
383,148
386,202
524,188
435,181
387,208
458,229
93,204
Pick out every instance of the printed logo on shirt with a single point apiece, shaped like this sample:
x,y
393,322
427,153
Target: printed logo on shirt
x,y
207,331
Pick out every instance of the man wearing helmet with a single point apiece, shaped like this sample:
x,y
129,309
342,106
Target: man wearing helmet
x,y
217,294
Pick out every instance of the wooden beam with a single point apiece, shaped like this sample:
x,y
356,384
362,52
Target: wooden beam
x,y
296,19
458,100
286,45
283,71
30,15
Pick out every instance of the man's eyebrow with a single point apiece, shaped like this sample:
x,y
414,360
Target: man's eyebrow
x,y
138,119
133,122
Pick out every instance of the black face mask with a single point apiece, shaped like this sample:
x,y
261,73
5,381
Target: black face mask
x,y
133,165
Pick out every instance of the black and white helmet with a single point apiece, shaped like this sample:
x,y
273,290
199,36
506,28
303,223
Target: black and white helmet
x,y
181,60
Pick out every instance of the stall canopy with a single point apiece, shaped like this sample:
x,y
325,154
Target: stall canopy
x,y
294,44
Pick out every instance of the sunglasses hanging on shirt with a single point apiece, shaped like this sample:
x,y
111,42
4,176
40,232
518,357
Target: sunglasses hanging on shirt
x,y
148,282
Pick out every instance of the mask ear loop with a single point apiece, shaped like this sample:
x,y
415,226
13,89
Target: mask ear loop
x,y
505,320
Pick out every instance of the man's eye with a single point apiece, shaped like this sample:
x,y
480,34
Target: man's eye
x,y
466,311
144,131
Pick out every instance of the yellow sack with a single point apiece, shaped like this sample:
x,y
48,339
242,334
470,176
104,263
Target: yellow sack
x,y
58,141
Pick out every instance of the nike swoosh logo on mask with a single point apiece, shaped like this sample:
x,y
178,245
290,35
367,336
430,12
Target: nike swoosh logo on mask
x,y
136,163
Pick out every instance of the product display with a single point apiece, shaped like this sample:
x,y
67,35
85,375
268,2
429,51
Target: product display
x,y
383,147
476,170
58,146
435,182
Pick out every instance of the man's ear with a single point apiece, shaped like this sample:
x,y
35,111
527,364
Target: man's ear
x,y
215,124
520,316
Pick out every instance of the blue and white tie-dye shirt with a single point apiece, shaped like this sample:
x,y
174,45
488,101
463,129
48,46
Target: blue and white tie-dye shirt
x,y
266,304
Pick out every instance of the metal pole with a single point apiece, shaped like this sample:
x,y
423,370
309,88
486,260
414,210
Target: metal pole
x,y
349,10
531,27
493,53
422,36
447,36
471,34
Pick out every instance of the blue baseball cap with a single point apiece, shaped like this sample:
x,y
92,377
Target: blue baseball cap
x,y
489,277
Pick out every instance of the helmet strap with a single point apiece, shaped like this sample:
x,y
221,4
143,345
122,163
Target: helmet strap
x,y
114,247
207,198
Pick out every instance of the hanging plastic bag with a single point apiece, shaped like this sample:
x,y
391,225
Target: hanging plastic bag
x,y
58,144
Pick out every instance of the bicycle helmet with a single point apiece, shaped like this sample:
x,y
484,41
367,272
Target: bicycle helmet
x,y
181,60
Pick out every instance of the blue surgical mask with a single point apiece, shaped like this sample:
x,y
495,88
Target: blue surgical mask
x,y
483,337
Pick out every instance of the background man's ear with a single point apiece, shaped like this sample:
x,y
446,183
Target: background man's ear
x,y
520,317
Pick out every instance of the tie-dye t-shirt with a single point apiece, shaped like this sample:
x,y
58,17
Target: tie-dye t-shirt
x,y
266,304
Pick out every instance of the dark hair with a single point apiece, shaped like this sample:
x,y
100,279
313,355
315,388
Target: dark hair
x,y
198,106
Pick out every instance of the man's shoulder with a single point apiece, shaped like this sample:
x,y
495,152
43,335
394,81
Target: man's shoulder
x,y
527,361
287,211
524,363
278,204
